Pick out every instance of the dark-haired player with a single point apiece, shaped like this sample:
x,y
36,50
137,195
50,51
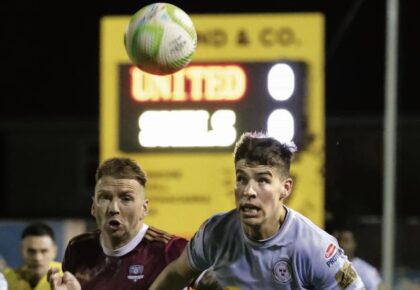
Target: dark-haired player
x,y
262,244
38,251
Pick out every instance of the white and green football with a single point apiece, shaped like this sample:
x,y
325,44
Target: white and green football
x,y
160,39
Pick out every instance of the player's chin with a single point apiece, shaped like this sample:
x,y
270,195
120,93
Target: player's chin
x,y
113,231
250,214
38,271
250,220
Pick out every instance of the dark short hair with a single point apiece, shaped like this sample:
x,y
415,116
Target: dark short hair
x,y
259,149
121,168
38,229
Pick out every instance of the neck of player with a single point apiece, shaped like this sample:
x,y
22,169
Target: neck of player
x,y
268,228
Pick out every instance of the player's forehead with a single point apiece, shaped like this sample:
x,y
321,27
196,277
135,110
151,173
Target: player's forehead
x,y
38,242
244,167
116,185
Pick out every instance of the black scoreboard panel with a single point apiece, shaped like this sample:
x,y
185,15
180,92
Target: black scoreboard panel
x,y
206,106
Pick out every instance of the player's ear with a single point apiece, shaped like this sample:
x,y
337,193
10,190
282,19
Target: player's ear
x,y
145,208
287,188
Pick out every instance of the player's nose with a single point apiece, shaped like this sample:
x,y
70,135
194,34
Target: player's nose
x,y
113,206
249,190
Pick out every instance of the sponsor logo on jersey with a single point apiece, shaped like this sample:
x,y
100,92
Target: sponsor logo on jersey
x,y
135,272
334,259
281,271
330,251
346,275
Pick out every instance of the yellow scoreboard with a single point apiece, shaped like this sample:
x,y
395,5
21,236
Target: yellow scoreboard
x,y
250,72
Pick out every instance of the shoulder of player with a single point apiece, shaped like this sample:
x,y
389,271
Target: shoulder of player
x,y
301,225
316,241
178,242
162,237
11,273
85,238
168,248
221,221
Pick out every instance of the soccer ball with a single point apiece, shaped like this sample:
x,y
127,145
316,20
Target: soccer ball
x,y
160,39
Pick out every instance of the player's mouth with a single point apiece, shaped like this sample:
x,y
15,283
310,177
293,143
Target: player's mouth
x,y
34,267
114,224
249,210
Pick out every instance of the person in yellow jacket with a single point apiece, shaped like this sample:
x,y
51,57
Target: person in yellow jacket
x,y
38,250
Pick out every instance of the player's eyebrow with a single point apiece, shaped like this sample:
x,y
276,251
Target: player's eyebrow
x,y
103,192
267,172
240,171
126,192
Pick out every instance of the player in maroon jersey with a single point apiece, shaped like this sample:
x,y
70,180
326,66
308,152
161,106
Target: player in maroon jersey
x,y
124,253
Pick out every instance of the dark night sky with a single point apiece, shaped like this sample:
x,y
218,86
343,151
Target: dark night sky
x,y
50,54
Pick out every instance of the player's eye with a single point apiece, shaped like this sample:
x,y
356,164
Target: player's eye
x,y
240,179
31,251
263,180
127,198
103,197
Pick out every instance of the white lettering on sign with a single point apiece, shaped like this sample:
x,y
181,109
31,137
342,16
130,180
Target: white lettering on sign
x,y
187,128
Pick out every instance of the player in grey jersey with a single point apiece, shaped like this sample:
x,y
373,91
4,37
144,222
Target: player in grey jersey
x,y
262,244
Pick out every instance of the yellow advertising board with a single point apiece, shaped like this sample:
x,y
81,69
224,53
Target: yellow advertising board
x,y
242,57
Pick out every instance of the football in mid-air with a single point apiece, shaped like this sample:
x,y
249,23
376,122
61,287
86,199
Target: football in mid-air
x,y
160,39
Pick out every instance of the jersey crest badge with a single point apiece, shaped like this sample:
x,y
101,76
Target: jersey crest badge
x,y
281,271
346,275
135,272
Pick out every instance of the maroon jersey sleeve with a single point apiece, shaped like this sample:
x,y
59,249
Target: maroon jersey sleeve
x,y
174,248
83,249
